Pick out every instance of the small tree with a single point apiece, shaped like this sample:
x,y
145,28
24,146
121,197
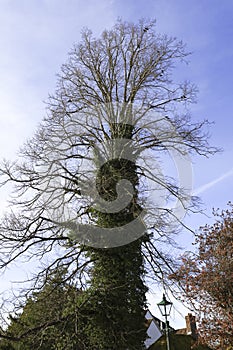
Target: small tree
x,y
208,279
50,319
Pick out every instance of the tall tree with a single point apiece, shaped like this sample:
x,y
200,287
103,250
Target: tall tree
x,y
208,280
81,185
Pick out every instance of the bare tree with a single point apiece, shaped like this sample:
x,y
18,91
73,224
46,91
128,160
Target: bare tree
x,y
88,188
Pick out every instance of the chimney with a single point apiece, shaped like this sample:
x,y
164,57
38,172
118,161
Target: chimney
x,y
191,327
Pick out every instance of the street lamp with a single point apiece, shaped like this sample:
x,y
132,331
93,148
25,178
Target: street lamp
x,y
165,309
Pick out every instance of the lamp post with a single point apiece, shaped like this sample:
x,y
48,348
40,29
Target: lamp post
x,y
165,309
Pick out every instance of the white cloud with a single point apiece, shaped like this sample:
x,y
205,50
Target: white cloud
x,y
212,183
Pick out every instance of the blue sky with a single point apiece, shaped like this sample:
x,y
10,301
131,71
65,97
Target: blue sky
x,y
36,35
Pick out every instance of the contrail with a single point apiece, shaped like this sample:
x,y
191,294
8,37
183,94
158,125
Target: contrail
x,y
210,184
